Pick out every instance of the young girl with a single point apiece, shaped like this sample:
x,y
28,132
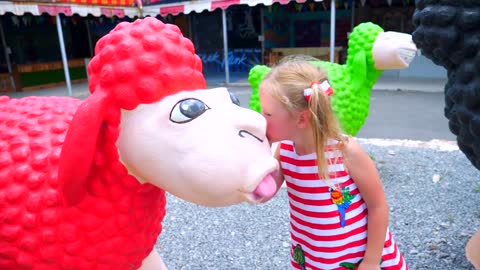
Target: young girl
x,y
338,210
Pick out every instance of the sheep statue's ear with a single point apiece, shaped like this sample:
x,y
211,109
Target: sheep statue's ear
x,y
79,147
360,70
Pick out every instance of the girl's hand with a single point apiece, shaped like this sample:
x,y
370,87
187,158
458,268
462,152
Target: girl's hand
x,y
368,266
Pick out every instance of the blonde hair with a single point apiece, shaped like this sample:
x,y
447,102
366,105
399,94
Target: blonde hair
x,y
286,83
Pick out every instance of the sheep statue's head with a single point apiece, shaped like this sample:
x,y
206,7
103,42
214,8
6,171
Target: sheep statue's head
x,y
200,146
197,144
82,183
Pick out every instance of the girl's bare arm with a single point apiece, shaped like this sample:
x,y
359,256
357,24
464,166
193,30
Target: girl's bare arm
x,y
366,177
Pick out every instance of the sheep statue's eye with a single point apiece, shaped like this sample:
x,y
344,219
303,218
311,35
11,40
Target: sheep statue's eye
x,y
186,110
234,98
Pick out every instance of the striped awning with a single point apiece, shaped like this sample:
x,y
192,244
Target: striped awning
x,y
122,8
123,3
20,8
209,5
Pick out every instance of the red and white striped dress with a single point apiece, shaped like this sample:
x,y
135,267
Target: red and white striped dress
x,y
319,241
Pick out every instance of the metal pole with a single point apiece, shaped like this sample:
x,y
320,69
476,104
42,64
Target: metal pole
x,y
225,45
262,27
190,29
89,35
64,55
193,37
353,15
7,56
332,31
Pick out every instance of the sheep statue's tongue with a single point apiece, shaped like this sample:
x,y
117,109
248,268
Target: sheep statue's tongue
x,y
266,188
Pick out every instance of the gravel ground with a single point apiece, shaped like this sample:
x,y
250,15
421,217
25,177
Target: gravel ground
x,y
433,197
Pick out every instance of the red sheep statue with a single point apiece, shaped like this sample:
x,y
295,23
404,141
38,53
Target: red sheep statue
x,y
82,183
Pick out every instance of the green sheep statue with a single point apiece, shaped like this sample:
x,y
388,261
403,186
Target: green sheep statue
x,y
370,51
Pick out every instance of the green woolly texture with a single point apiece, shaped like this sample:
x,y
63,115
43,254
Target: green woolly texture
x,y
351,82
354,82
255,76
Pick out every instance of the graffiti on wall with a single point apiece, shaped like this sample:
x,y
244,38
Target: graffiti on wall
x,y
239,60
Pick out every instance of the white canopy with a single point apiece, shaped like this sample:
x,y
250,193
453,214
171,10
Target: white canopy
x,y
209,5
53,9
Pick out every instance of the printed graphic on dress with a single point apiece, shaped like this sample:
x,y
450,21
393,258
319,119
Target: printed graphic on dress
x,y
354,266
342,198
299,256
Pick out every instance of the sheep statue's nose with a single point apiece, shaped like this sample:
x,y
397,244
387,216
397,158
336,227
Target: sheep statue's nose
x,y
393,50
408,51
407,55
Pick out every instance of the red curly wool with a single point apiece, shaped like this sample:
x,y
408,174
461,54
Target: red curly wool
x,y
66,201
114,227
142,62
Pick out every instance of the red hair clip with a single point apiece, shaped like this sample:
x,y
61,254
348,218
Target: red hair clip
x,y
307,93
325,86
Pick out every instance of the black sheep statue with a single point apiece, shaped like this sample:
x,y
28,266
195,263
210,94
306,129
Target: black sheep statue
x,y
448,33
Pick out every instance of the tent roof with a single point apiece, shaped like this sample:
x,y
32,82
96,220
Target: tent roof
x,y
53,9
185,7
210,5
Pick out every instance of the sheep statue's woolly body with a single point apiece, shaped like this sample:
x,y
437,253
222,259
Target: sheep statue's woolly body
x,y
353,81
119,223
448,33
82,182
